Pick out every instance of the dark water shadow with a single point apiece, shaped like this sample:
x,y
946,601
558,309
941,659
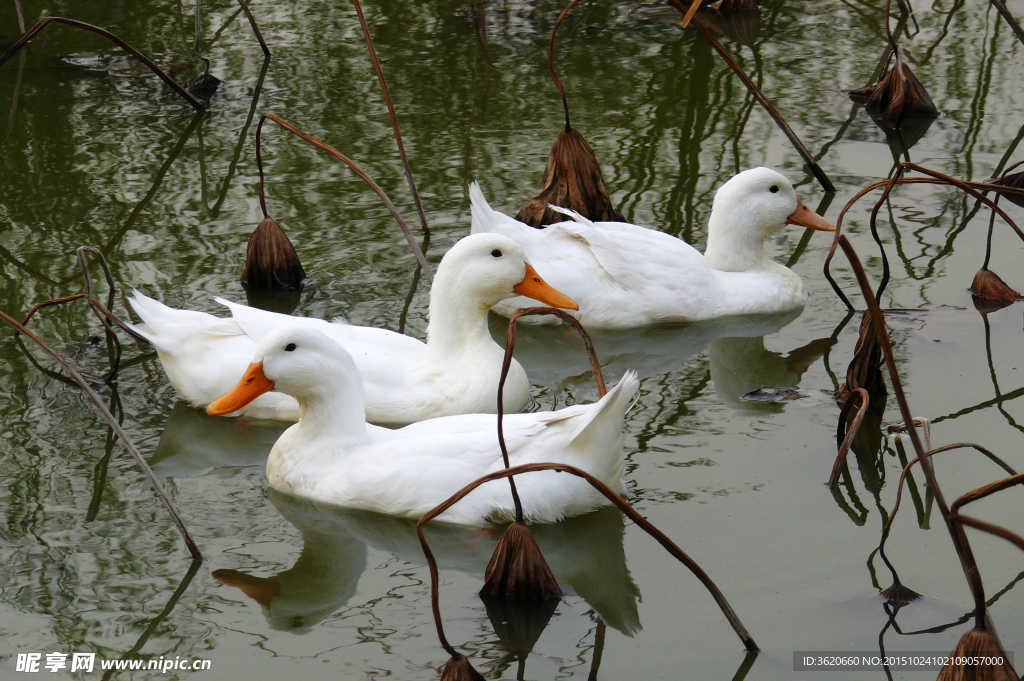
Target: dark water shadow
x,y
586,555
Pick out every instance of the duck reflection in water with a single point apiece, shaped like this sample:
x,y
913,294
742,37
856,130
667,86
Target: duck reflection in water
x,y
585,553
738,361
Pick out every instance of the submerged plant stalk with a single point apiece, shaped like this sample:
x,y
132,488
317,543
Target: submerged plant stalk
x,y
960,543
614,498
309,139
394,119
116,427
46,21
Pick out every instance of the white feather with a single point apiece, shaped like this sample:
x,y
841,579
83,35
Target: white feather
x,y
455,372
624,275
332,456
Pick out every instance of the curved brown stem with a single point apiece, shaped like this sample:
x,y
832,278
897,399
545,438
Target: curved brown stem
x,y
46,21
906,470
960,543
394,119
588,344
551,61
94,304
874,229
969,188
847,440
116,427
107,318
998,531
984,491
973,188
48,303
888,33
510,344
992,219
255,28
355,168
615,499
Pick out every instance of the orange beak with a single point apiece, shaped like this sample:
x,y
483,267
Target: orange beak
x,y
252,385
805,217
259,589
532,286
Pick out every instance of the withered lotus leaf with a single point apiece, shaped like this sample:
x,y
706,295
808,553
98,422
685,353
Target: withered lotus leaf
x,y
1014,180
517,570
898,594
974,644
900,94
203,85
458,668
733,23
270,259
990,292
572,179
865,370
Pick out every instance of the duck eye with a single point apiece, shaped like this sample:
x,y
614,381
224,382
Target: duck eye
x,y
496,253
774,189
290,347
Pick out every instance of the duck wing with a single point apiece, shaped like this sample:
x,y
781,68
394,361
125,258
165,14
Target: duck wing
x,y
409,471
203,356
621,274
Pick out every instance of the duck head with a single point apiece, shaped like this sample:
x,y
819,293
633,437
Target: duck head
x,y
747,210
307,365
484,269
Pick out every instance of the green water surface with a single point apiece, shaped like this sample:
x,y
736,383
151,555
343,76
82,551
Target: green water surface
x,y
90,559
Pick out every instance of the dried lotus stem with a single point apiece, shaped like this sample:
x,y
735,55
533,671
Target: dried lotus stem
x,y
510,344
846,439
116,427
619,502
394,118
309,139
975,189
46,21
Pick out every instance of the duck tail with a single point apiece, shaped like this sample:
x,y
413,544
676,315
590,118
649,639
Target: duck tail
x,y
572,214
151,312
604,422
483,216
167,328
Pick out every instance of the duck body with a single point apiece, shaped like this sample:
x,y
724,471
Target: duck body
x,y
333,456
406,380
624,275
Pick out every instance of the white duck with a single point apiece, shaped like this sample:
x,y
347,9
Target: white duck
x,y
624,275
332,455
455,372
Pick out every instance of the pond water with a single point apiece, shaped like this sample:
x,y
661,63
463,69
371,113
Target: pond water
x,y
91,561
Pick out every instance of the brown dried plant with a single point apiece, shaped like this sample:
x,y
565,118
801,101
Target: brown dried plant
x,y
982,639
270,257
46,21
517,569
572,176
